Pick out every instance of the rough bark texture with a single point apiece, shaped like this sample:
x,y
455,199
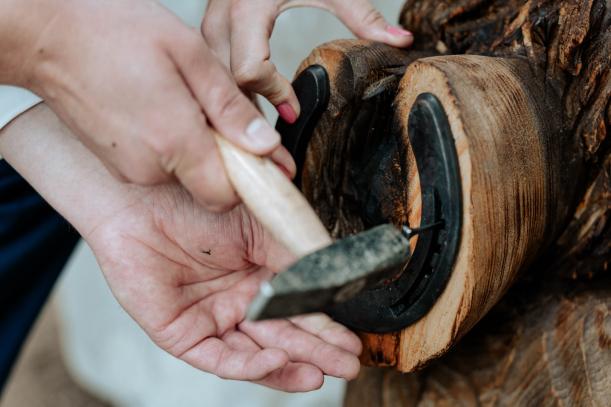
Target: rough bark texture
x,y
548,342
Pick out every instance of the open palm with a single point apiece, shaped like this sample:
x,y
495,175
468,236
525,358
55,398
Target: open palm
x,y
187,276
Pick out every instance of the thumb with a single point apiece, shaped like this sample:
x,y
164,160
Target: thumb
x,y
362,18
228,110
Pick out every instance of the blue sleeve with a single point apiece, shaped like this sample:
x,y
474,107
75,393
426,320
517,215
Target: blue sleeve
x,y
35,244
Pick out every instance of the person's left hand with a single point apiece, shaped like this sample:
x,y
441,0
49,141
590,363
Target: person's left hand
x,y
187,276
238,31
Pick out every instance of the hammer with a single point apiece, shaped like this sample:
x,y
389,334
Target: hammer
x,y
325,273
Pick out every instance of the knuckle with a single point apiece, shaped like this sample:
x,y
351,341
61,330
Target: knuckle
x,y
164,148
167,339
188,52
207,32
213,192
371,17
139,166
229,103
248,74
209,28
191,44
277,92
217,201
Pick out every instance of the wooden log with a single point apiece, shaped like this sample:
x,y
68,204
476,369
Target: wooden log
x,y
543,102
547,342
360,171
512,183
543,350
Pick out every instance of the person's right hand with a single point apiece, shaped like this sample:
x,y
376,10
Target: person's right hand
x,y
142,91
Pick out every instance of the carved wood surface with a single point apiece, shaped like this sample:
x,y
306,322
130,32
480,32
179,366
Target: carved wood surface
x,y
510,173
551,351
548,341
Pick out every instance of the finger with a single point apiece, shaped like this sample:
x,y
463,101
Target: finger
x,y
184,147
362,18
216,29
226,107
240,341
303,347
329,331
250,56
293,377
285,161
215,356
199,168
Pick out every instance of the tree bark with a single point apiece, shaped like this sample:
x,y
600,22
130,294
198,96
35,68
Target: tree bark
x,y
538,63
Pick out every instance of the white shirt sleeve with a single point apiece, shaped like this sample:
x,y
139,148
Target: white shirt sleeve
x,y
14,101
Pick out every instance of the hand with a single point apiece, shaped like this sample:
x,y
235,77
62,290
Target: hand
x,y
187,276
139,88
184,274
239,30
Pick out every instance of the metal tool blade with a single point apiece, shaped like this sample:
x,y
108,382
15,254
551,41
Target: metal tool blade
x,y
332,275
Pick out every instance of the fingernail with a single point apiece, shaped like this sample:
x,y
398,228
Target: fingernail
x,y
286,112
261,135
398,31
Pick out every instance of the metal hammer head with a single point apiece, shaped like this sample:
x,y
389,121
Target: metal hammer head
x,y
333,274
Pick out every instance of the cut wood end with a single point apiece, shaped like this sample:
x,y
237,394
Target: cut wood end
x,y
501,146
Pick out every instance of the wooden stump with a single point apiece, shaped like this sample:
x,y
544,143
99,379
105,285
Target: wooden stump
x,y
552,351
530,120
514,189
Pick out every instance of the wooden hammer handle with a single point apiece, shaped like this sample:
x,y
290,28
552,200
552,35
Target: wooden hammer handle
x,y
273,199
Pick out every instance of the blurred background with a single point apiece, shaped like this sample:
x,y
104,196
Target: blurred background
x,y
86,351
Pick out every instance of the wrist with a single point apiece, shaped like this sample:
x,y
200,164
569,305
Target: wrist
x,y
67,175
22,24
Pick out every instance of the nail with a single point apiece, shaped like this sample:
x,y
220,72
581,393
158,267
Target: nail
x,y
284,161
398,31
286,112
261,135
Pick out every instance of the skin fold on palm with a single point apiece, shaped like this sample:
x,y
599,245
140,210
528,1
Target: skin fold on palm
x,y
184,274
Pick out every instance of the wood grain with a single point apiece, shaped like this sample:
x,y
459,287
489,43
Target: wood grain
x,y
547,341
511,206
507,174
527,138
541,350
